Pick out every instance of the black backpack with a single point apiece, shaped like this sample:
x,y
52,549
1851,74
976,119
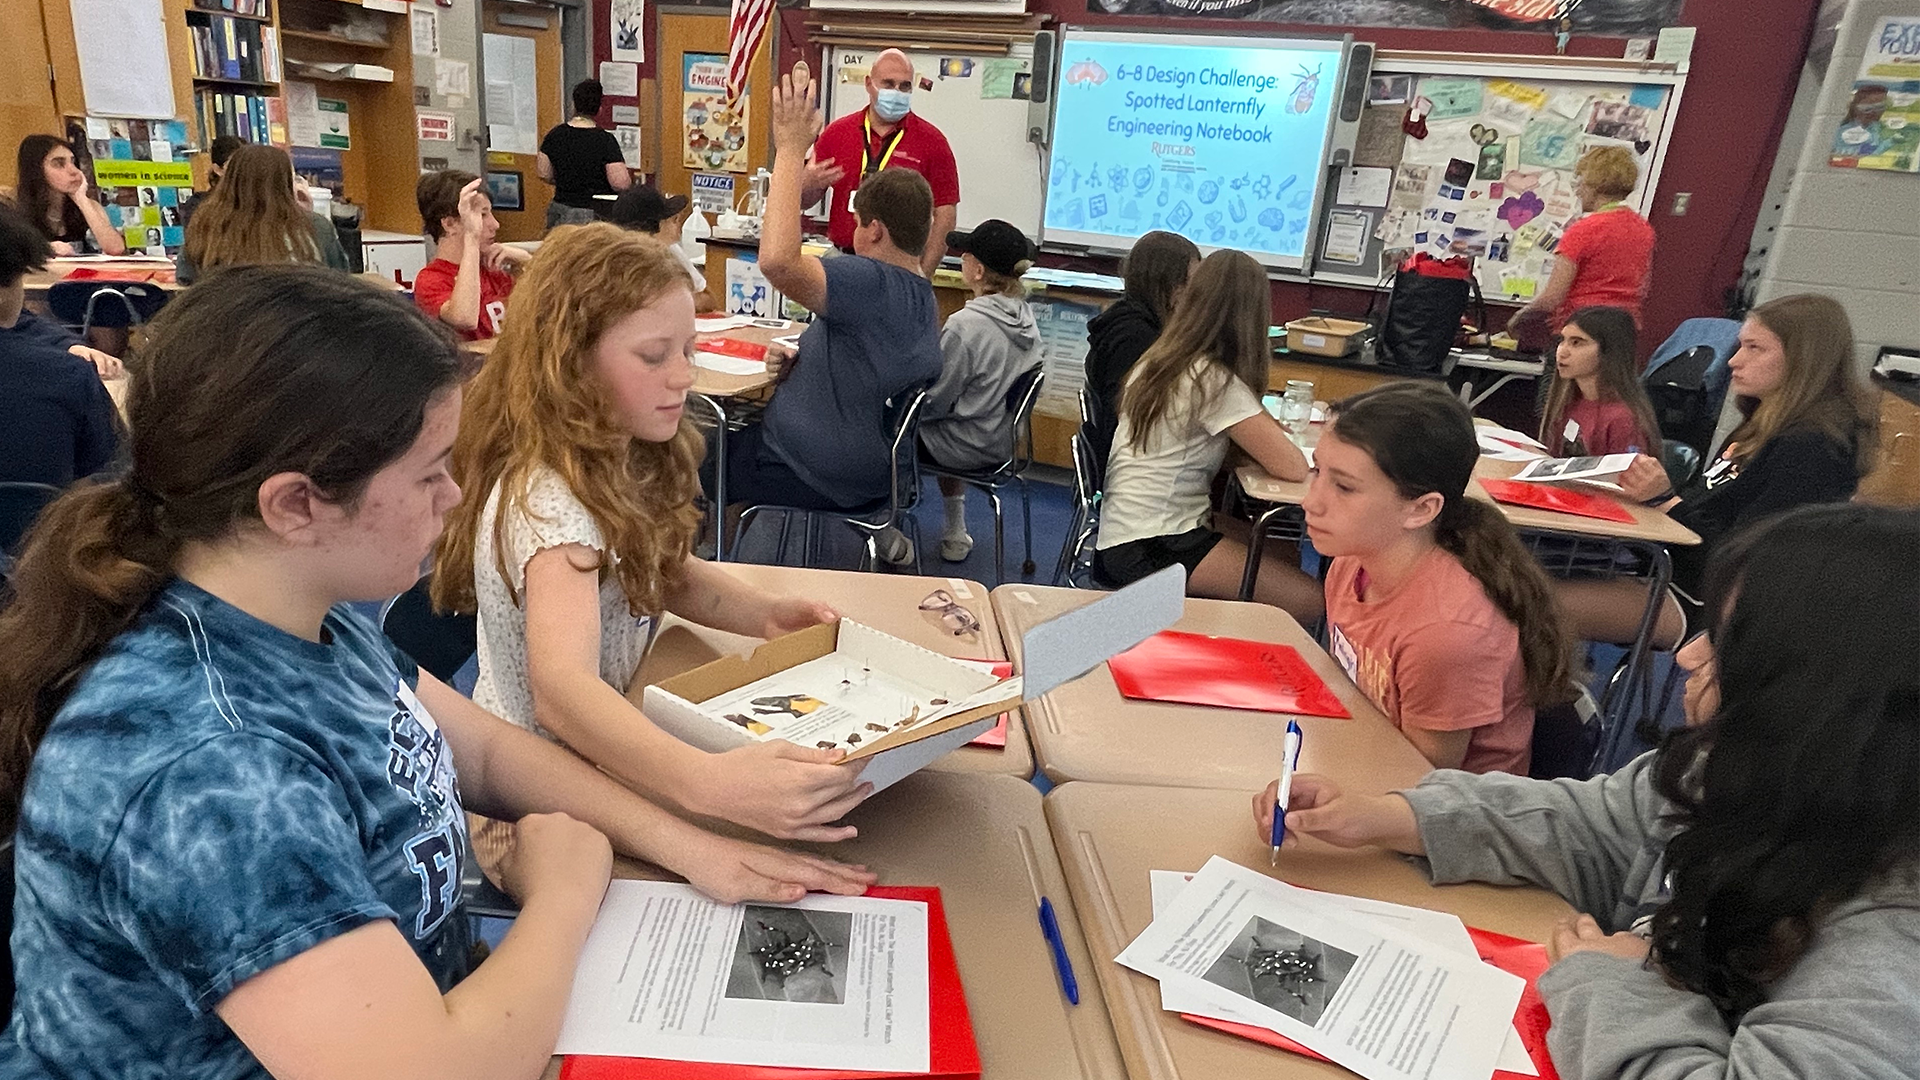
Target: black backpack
x,y
1681,403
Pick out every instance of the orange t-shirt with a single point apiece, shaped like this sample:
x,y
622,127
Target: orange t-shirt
x,y
1436,654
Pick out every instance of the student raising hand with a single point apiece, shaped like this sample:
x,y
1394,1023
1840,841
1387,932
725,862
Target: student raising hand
x,y
796,121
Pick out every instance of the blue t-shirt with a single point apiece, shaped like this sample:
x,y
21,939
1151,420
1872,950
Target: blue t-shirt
x,y
216,797
877,334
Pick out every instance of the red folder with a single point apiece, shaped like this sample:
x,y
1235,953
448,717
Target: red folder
x,y
1526,959
955,1056
1563,500
734,347
95,273
1231,673
996,736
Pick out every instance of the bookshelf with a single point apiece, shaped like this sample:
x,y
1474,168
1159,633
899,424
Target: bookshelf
x,y
362,54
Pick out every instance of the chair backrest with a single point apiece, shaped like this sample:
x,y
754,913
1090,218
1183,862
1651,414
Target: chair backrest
x,y
1022,397
115,304
1683,404
21,503
1088,406
440,644
906,449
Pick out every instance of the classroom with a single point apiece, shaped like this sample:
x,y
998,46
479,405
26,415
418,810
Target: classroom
x,y
1101,539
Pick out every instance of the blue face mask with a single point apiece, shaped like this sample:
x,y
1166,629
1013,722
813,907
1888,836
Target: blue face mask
x,y
892,105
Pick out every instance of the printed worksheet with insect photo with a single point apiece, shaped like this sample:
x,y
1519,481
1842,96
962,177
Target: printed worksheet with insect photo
x,y
834,702
828,982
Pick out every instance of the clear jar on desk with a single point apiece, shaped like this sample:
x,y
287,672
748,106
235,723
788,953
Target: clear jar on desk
x,y
1296,407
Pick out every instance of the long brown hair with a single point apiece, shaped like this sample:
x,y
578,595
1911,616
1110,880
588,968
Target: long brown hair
x,y
1156,269
250,217
35,197
1222,321
271,370
1822,391
1422,438
1611,329
537,404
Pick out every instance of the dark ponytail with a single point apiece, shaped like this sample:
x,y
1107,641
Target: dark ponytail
x,y
251,373
1422,438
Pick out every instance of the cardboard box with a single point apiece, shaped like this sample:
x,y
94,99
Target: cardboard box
x,y
1323,336
924,704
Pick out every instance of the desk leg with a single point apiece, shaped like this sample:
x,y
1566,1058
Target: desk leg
x,y
719,506
1616,711
1473,400
1256,549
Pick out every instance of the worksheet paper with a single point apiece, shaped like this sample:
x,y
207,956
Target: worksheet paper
x,y
1379,1000
1575,468
1438,927
828,982
837,702
728,365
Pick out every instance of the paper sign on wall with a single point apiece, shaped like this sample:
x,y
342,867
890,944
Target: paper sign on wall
x,y
626,114
626,30
333,124
620,79
425,25
712,192
452,78
628,136
1893,50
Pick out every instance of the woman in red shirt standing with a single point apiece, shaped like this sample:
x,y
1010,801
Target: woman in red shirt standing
x,y
1606,256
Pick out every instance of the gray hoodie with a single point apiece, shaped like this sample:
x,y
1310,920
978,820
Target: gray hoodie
x,y
1849,1009
985,346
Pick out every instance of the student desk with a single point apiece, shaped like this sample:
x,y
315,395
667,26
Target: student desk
x,y
37,282
1647,535
1109,836
887,602
983,840
1085,730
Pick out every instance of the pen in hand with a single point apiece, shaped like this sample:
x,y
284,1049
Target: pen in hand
x,y
1050,929
1289,759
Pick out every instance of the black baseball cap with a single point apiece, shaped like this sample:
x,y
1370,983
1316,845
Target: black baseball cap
x,y
1000,247
643,207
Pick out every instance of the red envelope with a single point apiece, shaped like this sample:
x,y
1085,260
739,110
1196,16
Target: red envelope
x,y
955,1055
1563,500
1526,959
1231,673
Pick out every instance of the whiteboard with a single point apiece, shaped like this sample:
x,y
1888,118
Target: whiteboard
x,y
999,168
1503,99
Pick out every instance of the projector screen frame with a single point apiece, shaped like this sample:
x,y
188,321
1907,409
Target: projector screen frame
x,y
1338,46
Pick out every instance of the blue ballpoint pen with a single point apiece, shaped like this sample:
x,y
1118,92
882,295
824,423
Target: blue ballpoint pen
x,y
1289,759
1050,928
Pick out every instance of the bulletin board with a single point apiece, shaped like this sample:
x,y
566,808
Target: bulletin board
x,y
1490,174
980,103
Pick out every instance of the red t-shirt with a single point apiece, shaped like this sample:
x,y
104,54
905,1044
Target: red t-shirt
x,y
433,287
920,147
1436,654
1612,251
1604,427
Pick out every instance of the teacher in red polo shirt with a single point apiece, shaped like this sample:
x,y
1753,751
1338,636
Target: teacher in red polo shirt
x,y
1606,256
887,134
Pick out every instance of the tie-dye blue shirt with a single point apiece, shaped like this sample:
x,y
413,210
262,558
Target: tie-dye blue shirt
x,y
216,797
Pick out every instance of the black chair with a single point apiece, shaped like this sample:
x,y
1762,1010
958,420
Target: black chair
x,y
440,644
1075,567
1682,403
869,521
20,503
77,304
1021,398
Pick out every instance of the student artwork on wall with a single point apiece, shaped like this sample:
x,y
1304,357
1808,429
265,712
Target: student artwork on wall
x,y
1585,16
715,136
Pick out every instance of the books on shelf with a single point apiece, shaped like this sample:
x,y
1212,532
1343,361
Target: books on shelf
x,y
259,9
250,116
240,50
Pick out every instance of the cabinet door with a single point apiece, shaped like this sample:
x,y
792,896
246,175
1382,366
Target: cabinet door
x,y
1895,481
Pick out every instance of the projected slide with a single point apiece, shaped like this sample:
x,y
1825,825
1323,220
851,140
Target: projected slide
x,y
1219,139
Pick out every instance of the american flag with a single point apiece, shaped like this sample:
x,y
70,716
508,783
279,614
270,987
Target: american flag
x,y
748,26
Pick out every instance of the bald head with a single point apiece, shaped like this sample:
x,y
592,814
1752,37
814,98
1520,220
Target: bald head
x,y
894,66
891,76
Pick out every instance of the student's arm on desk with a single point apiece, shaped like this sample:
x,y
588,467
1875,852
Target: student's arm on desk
x,y
782,790
795,123
1266,442
707,594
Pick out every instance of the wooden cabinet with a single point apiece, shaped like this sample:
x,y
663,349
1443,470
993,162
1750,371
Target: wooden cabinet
x,y
1895,481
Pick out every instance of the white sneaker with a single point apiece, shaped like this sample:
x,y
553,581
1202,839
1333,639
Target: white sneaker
x,y
956,548
893,547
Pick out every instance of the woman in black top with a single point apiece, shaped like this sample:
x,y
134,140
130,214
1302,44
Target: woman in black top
x,y
1811,431
51,190
580,160
1155,270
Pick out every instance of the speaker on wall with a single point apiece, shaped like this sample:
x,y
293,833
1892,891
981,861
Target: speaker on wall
x,y
1040,88
1354,96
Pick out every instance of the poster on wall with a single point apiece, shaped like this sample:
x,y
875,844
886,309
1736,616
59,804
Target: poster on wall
x,y
625,27
716,136
1585,16
142,199
1881,127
